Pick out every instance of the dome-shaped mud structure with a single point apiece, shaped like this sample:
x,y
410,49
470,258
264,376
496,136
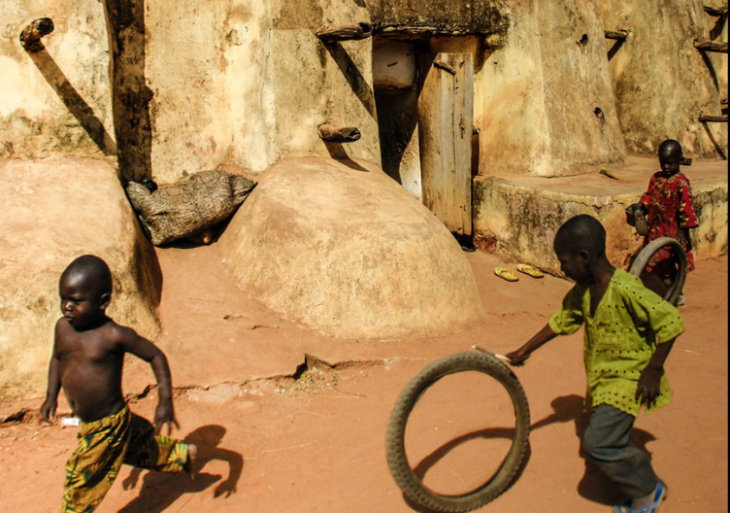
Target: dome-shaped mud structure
x,y
346,251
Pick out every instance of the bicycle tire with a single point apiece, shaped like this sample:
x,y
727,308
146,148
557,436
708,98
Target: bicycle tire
x,y
639,264
406,478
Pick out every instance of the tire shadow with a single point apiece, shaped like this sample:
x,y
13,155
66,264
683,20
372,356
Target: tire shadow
x,y
570,408
159,491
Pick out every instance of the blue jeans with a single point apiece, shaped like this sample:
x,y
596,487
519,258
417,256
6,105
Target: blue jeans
x,y
606,441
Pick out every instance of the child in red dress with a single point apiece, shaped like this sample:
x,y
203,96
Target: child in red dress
x,y
668,205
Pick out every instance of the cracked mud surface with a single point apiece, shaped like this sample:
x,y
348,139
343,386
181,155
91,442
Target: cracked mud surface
x,y
288,420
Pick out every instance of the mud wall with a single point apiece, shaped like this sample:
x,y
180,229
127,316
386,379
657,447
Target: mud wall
x,y
245,83
57,101
195,85
544,101
661,81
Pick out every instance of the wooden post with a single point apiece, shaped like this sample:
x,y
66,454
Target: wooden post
x,y
337,134
445,131
711,46
30,37
705,118
618,35
344,33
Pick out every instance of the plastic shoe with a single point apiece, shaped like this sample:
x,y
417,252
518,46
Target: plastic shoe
x,y
529,270
505,274
659,495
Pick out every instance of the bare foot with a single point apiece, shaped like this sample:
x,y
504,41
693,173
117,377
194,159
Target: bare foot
x,y
192,454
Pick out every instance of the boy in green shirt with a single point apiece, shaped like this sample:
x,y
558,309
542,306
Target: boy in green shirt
x,y
629,332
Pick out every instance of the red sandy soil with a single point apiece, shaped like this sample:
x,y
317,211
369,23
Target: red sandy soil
x,y
317,444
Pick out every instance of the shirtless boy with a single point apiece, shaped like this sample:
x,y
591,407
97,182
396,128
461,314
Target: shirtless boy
x,y
87,361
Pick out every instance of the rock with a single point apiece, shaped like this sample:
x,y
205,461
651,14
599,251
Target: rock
x,y
189,207
54,211
348,252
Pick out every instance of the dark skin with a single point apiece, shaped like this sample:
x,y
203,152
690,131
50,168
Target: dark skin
x,y
88,357
595,272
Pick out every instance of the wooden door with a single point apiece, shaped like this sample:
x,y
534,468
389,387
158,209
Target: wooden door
x,y
445,115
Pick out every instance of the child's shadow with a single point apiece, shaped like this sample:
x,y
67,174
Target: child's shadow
x,y
594,486
159,490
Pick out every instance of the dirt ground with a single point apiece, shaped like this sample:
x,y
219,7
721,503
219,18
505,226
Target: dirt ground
x,y
282,432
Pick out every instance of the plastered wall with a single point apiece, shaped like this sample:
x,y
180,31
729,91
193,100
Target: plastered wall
x,y
661,81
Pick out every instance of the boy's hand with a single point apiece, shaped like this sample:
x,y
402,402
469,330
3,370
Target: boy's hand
x,y
648,387
517,358
165,414
48,410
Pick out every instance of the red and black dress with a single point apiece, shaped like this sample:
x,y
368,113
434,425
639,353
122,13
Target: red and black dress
x,y
669,202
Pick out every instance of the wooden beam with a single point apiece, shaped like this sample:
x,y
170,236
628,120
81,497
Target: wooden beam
x,y
618,35
337,134
345,33
716,11
704,118
30,37
711,46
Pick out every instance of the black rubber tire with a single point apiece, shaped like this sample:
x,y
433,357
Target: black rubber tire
x,y
639,264
404,476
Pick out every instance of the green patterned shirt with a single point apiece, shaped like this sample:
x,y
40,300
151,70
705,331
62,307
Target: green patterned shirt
x,y
620,339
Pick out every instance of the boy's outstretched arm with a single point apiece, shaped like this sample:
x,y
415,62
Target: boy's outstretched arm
x,y
650,379
48,408
542,337
147,351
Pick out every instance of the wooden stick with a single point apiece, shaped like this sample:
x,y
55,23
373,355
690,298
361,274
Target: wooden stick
x,y
711,46
704,118
716,11
30,37
616,34
332,133
345,33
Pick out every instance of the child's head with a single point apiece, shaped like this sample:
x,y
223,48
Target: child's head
x,y
670,157
85,288
579,244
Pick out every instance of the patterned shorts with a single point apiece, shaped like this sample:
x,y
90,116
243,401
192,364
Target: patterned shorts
x,y
106,444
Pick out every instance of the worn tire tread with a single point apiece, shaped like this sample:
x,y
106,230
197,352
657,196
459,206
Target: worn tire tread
x,y
395,437
639,264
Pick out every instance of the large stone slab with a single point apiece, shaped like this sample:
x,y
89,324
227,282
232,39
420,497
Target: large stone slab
x,y
54,211
343,249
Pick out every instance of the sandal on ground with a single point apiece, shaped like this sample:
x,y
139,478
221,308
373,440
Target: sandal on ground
x,y
659,495
505,274
530,270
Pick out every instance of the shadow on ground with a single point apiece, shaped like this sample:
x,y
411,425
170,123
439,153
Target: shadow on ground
x,y
570,408
158,491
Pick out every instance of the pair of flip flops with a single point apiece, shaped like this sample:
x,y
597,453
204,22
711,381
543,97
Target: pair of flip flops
x,y
506,274
659,495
